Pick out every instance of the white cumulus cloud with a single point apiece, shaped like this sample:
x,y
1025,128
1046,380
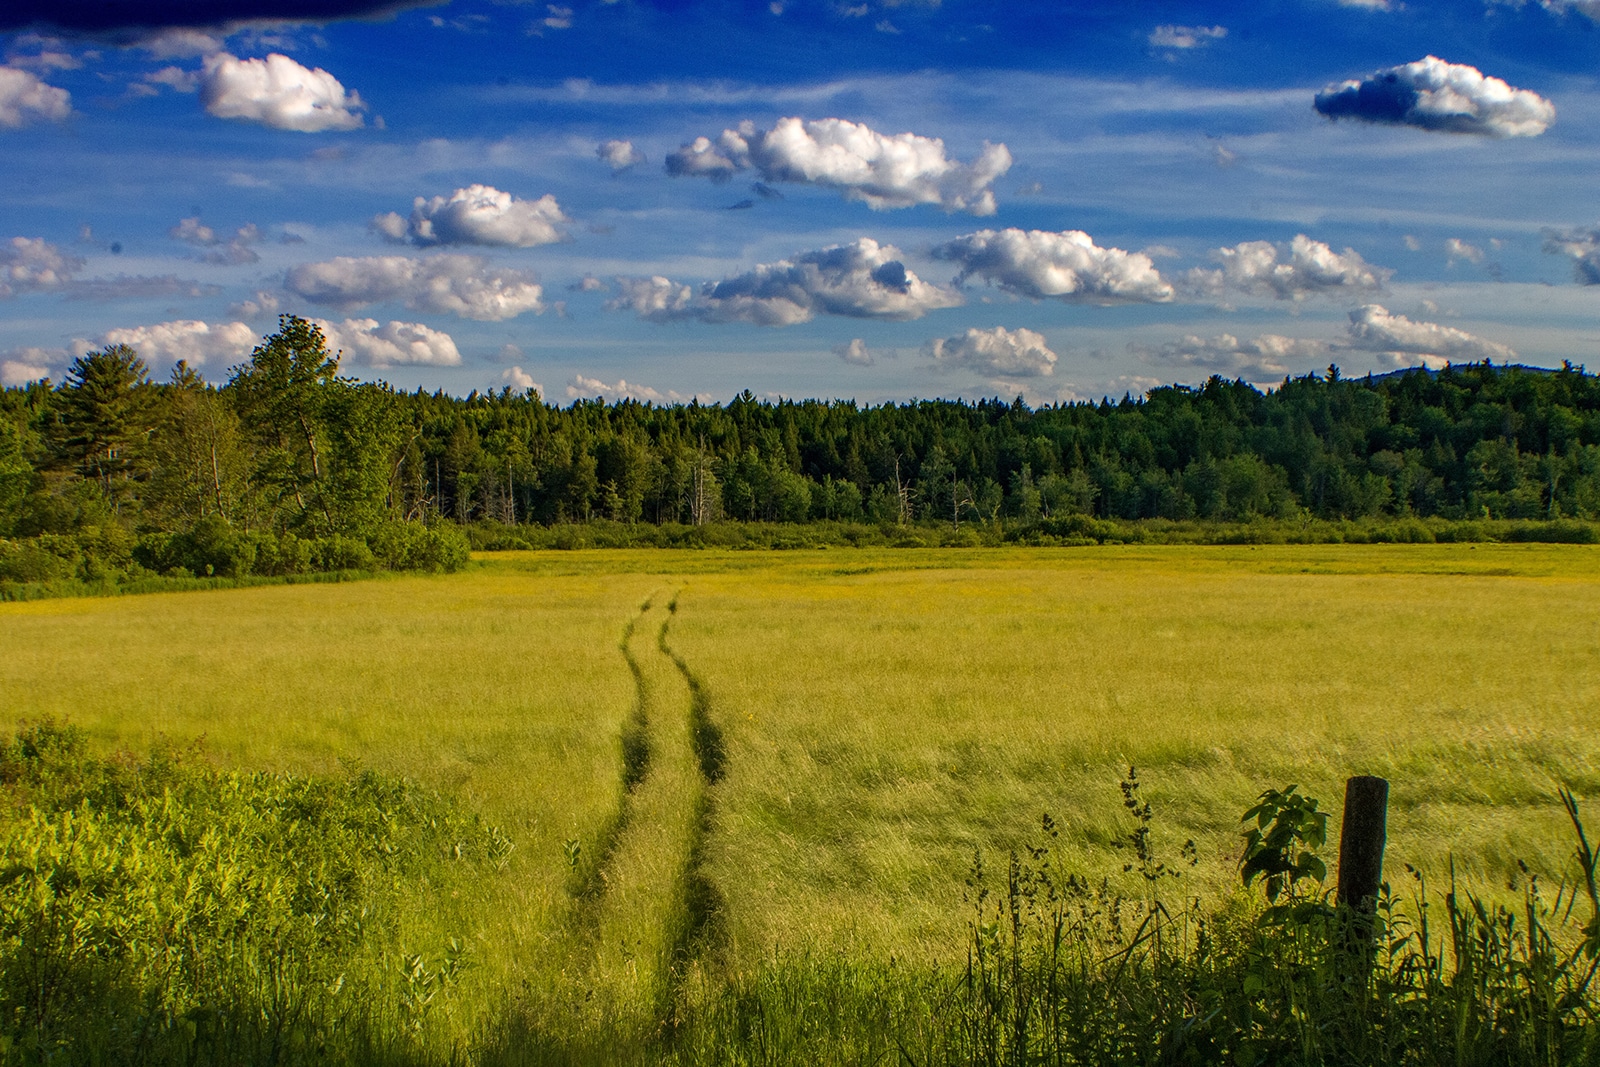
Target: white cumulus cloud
x,y
24,98
1000,351
520,380
1374,329
198,343
193,231
1185,37
1434,95
1262,360
23,365
1066,266
621,389
477,215
1310,267
656,298
862,279
855,352
29,264
881,170
391,344
277,92
462,285
619,155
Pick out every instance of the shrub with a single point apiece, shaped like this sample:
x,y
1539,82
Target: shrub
x,y
30,561
151,912
340,553
410,546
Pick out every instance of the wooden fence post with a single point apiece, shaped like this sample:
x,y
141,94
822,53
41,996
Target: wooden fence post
x,y
1361,839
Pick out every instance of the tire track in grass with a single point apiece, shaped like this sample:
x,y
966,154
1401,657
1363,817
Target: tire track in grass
x,y
646,909
701,930
589,872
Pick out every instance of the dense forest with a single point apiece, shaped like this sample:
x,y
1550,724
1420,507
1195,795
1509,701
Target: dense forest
x,y
292,468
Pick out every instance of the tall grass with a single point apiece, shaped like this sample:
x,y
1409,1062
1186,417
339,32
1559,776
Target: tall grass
x,y
157,912
502,692
884,714
748,848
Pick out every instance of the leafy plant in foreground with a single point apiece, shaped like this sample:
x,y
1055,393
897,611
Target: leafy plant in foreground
x,y
152,912
1283,844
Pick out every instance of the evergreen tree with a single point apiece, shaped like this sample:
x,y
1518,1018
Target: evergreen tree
x,y
106,415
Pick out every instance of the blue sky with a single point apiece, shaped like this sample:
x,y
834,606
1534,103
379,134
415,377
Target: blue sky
x,y
891,200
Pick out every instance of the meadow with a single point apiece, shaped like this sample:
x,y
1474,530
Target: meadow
x,y
712,764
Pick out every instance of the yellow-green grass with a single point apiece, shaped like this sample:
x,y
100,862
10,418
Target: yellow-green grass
x,y
505,691
885,712
888,712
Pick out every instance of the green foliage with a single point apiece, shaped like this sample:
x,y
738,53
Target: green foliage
x,y
157,912
289,446
106,414
200,466
31,561
1284,841
412,546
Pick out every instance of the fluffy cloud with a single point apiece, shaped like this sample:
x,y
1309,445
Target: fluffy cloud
x,y
395,344
196,342
277,92
856,352
1582,245
658,299
1184,37
1067,266
859,280
193,231
998,351
1373,329
1260,268
23,98
581,386
520,380
619,155
24,365
477,215
28,264
1265,359
462,285
882,171
1435,95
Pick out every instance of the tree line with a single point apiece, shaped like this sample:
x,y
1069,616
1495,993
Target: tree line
x,y
291,459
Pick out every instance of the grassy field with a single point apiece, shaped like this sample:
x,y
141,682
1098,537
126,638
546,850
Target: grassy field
x,y
873,716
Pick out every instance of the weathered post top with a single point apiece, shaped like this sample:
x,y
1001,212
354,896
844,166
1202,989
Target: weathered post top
x,y
1361,839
